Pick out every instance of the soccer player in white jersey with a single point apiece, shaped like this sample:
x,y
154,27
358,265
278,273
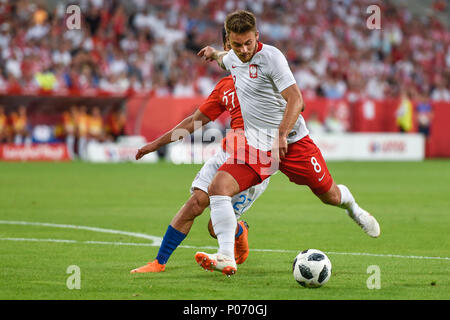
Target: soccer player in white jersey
x,y
222,99
271,106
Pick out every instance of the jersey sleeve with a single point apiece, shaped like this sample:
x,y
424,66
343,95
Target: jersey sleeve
x,y
212,107
280,72
226,60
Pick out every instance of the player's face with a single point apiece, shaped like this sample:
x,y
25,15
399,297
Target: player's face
x,y
244,44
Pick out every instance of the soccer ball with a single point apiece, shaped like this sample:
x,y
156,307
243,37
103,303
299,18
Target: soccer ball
x,y
311,268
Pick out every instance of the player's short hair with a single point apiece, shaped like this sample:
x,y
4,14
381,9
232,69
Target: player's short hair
x,y
224,36
240,21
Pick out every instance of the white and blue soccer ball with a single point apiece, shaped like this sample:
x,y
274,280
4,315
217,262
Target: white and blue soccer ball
x,y
311,268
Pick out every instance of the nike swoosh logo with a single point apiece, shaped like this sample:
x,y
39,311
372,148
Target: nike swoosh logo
x,y
225,92
233,67
322,177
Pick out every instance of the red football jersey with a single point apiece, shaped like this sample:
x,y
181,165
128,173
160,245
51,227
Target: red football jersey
x,y
224,98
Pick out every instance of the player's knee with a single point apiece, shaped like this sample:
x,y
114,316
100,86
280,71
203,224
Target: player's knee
x,y
198,203
216,189
223,186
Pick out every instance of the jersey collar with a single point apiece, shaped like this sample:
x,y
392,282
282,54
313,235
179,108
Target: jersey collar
x,y
260,45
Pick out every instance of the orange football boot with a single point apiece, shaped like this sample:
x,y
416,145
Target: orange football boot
x,y
241,249
153,266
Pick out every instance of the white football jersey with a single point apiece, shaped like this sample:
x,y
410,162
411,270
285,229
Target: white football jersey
x,y
259,84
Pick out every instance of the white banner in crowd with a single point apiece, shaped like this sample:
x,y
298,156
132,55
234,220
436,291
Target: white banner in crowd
x,y
350,146
372,146
122,151
189,153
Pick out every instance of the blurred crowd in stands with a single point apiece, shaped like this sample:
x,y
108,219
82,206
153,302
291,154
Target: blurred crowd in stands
x,y
81,125
76,126
14,126
144,45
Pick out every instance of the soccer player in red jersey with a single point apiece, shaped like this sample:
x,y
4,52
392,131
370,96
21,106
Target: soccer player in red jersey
x,y
223,98
271,106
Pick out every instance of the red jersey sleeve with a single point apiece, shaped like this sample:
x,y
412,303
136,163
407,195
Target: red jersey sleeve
x,y
213,106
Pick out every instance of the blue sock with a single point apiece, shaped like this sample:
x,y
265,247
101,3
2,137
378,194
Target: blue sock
x,y
170,242
239,231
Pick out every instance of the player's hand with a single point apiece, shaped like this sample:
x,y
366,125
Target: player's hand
x,y
279,148
207,53
146,149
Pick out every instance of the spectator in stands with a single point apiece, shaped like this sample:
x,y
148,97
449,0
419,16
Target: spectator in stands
x,y
40,15
441,92
184,87
96,130
82,124
69,126
4,126
46,79
332,122
314,124
124,38
404,112
424,116
21,130
116,124
333,88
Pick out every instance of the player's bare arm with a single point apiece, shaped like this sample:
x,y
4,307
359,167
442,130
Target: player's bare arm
x,y
211,54
184,128
294,107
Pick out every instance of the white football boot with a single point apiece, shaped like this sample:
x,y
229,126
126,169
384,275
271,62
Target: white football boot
x,y
216,262
367,222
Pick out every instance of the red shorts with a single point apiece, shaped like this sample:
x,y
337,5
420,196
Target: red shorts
x,y
245,176
303,165
249,166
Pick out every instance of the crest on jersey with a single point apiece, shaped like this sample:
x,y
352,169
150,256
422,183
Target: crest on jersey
x,y
253,71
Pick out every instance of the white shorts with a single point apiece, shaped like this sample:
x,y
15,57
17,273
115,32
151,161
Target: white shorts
x,y
243,200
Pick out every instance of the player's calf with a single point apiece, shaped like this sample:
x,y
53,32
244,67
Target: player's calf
x,y
194,207
332,196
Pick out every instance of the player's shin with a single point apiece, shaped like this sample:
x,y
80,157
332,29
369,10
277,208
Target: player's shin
x,y
224,223
170,242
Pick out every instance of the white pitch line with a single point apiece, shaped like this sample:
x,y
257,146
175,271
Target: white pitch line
x,y
158,240
215,248
81,242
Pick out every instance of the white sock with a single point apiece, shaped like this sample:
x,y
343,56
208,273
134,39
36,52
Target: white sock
x,y
224,223
348,201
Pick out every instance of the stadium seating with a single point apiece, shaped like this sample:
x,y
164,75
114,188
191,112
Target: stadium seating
x,y
151,45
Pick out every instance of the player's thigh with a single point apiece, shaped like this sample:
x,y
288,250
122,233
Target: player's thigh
x,y
305,165
206,174
223,184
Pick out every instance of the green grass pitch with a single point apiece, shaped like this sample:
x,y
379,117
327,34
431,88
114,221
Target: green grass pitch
x,y
411,201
